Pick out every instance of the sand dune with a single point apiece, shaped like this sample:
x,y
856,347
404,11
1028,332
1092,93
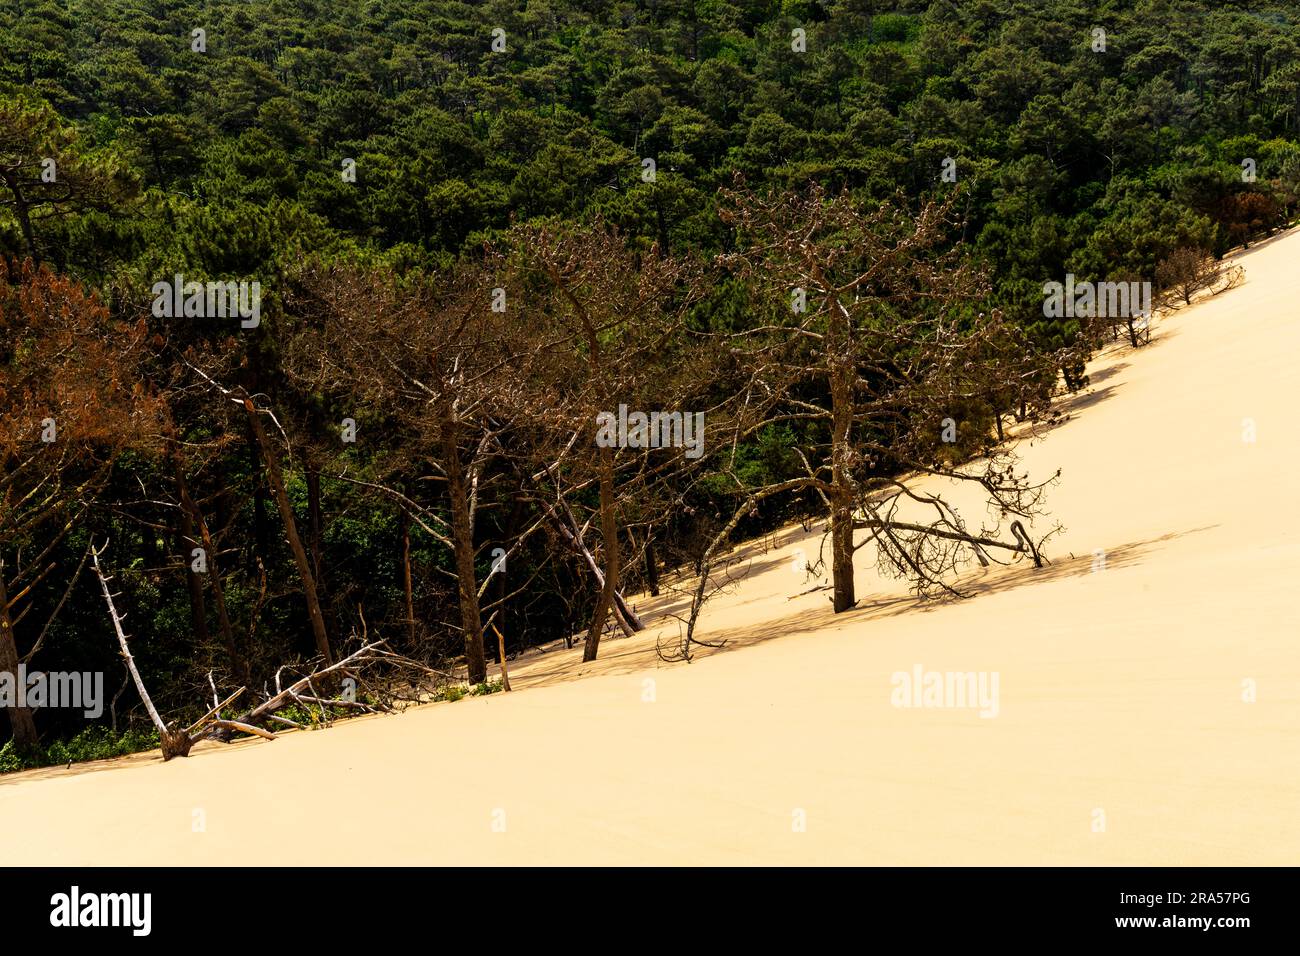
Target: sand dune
x,y
1120,687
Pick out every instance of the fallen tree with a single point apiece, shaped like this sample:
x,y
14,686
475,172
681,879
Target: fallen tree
x,y
401,672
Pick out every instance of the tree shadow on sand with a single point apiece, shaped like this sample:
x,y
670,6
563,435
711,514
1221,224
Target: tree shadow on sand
x,y
972,585
630,656
1108,371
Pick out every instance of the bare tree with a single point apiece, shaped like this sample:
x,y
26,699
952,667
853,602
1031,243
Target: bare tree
x,y
177,742
616,313
1186,271
875,347
428,364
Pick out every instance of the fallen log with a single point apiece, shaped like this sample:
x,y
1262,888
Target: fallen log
x,y
246,728
216,709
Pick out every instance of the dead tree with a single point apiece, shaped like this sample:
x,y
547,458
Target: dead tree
x,y
273,474
1187,271
612,309
270,463
175,743
429,359
875,346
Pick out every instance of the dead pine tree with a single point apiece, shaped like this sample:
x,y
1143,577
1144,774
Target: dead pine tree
x,y
276,478
70,390
1187,270
177,741
270,463
425,359
876,348
174,741
611,308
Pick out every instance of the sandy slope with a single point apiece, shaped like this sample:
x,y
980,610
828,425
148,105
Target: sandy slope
x,y
1120,689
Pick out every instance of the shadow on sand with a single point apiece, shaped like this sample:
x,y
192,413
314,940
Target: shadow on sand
x,y
623,656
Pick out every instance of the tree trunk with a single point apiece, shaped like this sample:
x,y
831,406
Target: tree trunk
x,y
404,523
261,539
20,718
508,532
25,224
842,555
291,531
238,663
175,743
651,564
609,532
192,519
315,522
462,533
193,582
841,496
627,620
501,659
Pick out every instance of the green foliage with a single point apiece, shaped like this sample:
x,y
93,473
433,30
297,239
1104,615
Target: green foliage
x,y
451,140
895,27
450,692
95,742
454,692
487,687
